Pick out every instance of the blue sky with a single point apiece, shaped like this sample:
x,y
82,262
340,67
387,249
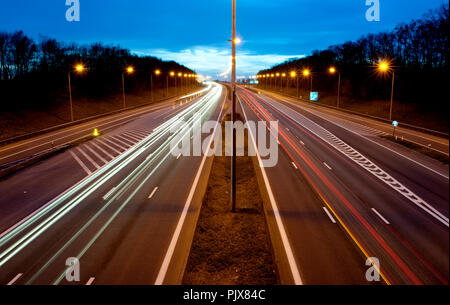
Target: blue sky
x,y
195,32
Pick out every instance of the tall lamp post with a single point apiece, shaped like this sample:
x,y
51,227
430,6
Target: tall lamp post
x,y
333,71
78,69
233,105
129,70
294,75
384,67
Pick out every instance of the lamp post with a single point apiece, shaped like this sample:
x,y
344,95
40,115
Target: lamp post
x,y
333,71
233,106
129,70
78,69
384,67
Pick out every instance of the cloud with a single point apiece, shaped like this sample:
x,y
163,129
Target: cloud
x,y
216,62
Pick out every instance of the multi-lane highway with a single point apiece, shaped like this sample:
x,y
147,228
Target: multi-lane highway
x,y
122,203
125,205
340,195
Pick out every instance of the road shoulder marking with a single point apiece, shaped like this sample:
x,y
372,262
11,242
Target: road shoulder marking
x,y
329,214
14,279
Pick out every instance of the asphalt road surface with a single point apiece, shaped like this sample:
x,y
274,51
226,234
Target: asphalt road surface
x,y
116,203
345,195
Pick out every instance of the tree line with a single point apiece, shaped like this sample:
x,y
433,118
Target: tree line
x,y
418,52
35,73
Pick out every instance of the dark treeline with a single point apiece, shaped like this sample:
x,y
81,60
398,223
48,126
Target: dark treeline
x,y
35,74
418,52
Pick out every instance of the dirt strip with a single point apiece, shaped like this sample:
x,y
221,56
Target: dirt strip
x,y
231,248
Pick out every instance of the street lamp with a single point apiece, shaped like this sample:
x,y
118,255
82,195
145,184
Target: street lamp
x,y
79,69
129,70
333,71
385,67
307,73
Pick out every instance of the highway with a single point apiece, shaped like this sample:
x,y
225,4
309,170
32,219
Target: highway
x,y
340,195
119,203
48,141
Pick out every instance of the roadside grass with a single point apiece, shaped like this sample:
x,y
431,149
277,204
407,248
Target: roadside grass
x,y
423,150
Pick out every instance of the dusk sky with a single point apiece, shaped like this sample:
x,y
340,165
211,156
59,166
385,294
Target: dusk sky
x,y
195,32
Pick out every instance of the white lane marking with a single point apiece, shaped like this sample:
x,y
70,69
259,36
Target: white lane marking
x,y
287,247
153,193
294,165
168,257
91,280
131,136
178,157
301,142
385,147
125,140
113,143
96,154
329,215
366,164
84,167
89,158
102,150
14,279
149,156
109,193
329,167
381,216
136,133
115,138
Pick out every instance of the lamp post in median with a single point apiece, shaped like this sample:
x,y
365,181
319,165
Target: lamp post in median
x,y
79,69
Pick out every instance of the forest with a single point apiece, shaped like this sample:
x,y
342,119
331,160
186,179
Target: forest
x,y
417,52
35,74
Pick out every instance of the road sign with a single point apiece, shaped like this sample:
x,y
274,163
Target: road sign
x,y
395,123
314,96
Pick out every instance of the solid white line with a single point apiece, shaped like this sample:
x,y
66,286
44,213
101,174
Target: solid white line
x,y
329,167
81,163
381,216
294,165
329,215
178,157
153,193
91,280
14,279
289,253
109,193
168,257
89,158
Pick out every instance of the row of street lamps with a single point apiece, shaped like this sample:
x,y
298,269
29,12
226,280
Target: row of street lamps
x,y
383,66
79,68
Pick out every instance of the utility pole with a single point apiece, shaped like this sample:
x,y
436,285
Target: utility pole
x,y
233,107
